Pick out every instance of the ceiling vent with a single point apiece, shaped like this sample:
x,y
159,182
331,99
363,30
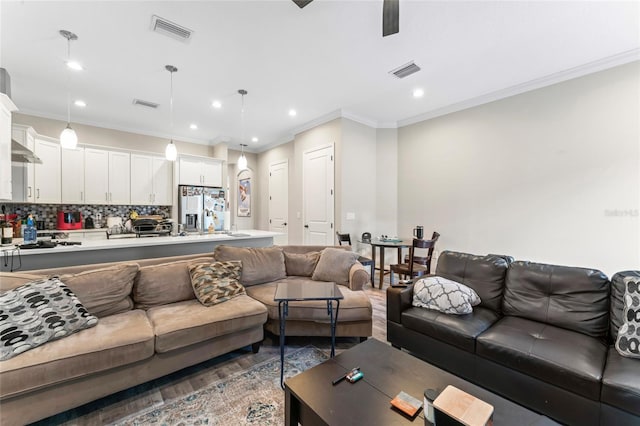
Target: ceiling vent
x,y
145,103
405,70
171,29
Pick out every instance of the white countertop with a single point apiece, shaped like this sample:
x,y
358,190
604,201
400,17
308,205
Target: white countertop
x,y
108,244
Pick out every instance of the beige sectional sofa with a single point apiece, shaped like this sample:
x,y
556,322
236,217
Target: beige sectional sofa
x,y
151,324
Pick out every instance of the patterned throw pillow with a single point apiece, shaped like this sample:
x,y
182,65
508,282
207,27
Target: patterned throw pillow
x,y
628,341
39,312
216,282
441,294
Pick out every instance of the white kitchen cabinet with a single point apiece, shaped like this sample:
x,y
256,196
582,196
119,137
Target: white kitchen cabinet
x,y
6,107
72,176
151,180
107,177
47,175
200,171
23,173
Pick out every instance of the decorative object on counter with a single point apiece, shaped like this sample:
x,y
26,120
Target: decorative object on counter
x,y
30,233
68,220
418,232
170,152
68,137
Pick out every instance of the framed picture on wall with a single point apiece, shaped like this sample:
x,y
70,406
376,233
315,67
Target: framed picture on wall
x,y
244,197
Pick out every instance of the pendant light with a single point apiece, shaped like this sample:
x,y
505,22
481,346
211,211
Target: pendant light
x,y
68,137
242,160
170,152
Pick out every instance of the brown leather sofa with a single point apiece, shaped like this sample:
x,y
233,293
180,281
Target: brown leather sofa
x,y
542,336
150,324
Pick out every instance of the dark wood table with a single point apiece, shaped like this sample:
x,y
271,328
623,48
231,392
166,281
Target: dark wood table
x,y
311,399
381,245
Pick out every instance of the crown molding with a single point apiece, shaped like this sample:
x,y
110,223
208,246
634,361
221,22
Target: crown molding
x,y
538,83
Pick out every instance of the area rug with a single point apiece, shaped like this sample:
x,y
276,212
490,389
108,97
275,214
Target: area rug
x,y
251,397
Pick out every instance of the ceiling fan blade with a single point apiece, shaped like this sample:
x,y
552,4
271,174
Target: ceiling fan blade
x,y
390,17
302,3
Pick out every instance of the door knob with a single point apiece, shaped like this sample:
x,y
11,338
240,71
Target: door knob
x,y
284,224
306,226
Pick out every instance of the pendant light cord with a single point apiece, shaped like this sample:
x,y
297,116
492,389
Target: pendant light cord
x,y
171,108
68,83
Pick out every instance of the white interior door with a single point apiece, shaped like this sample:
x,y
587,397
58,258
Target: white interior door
x,y
317,177
279,201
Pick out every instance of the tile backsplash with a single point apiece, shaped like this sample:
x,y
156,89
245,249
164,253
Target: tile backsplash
x,y
49,212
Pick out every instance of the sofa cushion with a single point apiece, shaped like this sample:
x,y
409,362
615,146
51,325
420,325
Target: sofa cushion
x,y
617,300
355,306
621,382
116,340
11,280
165,283
334,265
37,313
302,264
441,294
564,358
181,324
216,282
104,291
457,330
259,265
484,274
628,341
573,298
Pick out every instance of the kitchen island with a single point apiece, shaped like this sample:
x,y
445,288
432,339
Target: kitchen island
x,y
115,250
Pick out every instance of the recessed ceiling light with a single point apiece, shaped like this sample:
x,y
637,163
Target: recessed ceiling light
x,y
418,93
216,104
292,112
193,126
80,103
254,139
74,65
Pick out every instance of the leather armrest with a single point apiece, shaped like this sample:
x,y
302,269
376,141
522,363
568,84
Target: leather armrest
x,y
358,276
398,299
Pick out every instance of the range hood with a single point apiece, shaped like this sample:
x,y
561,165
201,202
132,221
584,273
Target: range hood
x,y
22,154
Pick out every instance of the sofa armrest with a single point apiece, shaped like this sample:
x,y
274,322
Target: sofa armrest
x,y
358,277
398,299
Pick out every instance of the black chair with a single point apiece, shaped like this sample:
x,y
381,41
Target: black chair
x,y
421,265
346,238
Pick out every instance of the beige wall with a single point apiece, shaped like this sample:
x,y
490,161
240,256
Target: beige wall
x,y
551,175
386,183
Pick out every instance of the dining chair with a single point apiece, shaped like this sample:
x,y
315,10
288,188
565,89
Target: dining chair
x,y
343,238
365,261
421,265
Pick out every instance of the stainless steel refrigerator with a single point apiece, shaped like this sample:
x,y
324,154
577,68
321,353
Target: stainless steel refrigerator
x,y
201,208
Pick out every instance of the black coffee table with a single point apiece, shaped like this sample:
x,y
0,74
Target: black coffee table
x,y
291,291
310,399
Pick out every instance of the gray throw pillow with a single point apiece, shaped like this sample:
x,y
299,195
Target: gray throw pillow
x,y
628,341
301,264
334,265
39,312
443,295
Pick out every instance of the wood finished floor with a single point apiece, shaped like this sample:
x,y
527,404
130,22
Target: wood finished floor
x,y
139,398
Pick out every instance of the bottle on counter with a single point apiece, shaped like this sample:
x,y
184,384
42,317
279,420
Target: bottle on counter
x,y
7,232
30,234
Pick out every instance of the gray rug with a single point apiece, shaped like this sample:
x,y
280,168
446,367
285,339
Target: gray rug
x,y
251,397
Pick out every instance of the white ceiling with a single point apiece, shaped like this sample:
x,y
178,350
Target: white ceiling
x,y
326,60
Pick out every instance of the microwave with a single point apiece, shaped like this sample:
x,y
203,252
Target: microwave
x,y
69,220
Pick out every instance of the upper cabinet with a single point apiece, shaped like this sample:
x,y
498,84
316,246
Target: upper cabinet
x,y
72,176
151,180
22,174
200,171
47,175
107,177
6,107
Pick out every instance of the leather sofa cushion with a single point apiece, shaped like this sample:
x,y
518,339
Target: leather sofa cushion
x,y
617,301
457,330
484,274
621,382
259,265
355,306
116,340
573,298
563,358
184,323
165,283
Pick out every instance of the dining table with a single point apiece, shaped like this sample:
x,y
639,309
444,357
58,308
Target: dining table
x,y
381,244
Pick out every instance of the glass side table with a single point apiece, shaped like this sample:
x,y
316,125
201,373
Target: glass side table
x,y
290,291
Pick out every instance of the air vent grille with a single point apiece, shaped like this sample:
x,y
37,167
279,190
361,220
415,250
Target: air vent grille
x,y
145,103
171,29
405,70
